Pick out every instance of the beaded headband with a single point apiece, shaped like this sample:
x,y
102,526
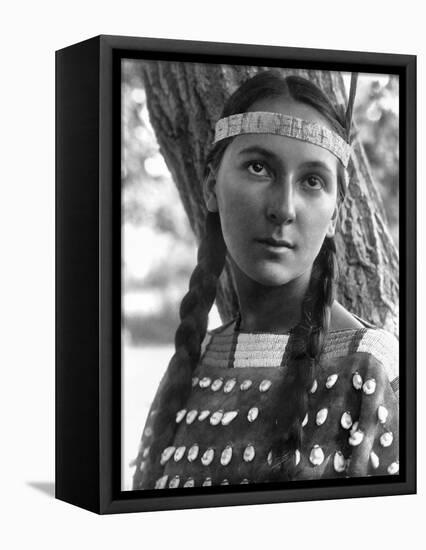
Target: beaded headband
x,y
259,122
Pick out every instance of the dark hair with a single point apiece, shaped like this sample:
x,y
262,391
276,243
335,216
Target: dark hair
x,y
307,337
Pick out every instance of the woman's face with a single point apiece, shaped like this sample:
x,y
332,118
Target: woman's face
x,y
276,198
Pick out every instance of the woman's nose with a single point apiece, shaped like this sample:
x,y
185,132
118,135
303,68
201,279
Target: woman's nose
x,y
281,205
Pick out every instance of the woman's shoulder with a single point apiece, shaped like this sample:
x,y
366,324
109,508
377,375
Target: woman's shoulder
x,y
357,336
380,343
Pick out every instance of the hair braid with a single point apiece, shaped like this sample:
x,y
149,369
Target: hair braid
x,y
307,344
175,386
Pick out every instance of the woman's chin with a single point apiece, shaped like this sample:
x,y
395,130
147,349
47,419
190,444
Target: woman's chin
x,y
271,282
268,277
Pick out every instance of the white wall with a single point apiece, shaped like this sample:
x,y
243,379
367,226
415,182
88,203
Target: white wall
x,y
30,32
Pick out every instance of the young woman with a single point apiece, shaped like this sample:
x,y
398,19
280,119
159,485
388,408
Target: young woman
x,y
296,387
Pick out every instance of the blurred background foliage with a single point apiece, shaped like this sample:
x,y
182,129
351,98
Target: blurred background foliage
x,y
159,248
377,119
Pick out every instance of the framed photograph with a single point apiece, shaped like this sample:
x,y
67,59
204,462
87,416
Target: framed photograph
x,y
235,274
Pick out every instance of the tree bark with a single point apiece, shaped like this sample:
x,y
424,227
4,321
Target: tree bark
x,y
186,99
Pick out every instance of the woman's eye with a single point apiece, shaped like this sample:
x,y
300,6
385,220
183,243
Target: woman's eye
x,y
257,168
314,182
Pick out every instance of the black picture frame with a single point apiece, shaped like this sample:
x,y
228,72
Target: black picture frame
x,y
88,272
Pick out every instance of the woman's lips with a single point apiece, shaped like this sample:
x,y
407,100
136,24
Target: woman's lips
x,y
276,243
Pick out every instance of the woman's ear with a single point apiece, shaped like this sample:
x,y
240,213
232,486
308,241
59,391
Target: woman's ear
x,y
209,190
331,229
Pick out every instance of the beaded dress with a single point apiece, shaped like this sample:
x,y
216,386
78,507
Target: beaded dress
x,y
223,435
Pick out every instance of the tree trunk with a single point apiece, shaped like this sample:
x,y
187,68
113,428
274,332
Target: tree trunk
x,y
186,99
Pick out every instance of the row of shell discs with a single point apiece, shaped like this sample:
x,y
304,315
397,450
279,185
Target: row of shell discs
x,y
228,386
316,456
207,457
368,387
217,417
175,482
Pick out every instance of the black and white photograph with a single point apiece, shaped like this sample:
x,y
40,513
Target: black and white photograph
x,y
260,302
212,275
